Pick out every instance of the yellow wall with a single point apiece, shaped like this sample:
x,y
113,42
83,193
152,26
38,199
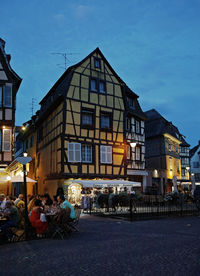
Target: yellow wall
x,y
79,96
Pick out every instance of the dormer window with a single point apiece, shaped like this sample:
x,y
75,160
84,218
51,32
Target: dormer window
x,y
97,63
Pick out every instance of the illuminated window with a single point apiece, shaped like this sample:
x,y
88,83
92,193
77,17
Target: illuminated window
x,y
137,153
128,152
6,140
106,154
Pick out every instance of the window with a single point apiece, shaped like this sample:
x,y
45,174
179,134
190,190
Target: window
x,y
86,151
169,147
0,140
106,154
183,172
105,120
74,152
97,62
130,102
97,85
1,95
128,124
137,127
8,95
87,118
177,165
102,87
128,152
93,85
6,140
137,153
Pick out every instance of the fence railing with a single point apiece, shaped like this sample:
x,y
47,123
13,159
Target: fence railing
x,y
136,210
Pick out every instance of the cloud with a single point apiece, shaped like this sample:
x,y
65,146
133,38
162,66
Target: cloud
x,y
82,11
59,17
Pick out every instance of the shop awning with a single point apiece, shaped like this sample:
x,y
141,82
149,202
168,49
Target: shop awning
x,y
106,183
17,178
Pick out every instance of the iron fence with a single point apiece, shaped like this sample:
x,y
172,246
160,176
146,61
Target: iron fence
x,y
136,210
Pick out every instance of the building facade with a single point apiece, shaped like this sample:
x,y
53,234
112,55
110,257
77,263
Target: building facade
x,y
163,161
9,85
82,129
195,162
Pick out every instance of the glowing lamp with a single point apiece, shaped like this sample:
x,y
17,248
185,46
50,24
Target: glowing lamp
x,y
133,144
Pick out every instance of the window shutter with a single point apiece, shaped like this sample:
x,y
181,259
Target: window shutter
x,y
8,95
77,152
109,154
6,140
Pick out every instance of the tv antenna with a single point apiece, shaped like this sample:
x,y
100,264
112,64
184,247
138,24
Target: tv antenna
x,y
33,104
66,59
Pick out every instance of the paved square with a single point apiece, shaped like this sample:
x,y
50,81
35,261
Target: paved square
x,y
103,246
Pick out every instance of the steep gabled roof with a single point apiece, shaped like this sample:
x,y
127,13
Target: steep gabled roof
x,y
156,125
6,62
71,69
193,150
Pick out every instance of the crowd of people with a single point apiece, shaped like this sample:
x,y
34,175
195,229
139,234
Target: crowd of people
x,y
39,207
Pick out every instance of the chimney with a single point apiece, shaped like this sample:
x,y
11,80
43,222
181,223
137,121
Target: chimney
x,y
8,58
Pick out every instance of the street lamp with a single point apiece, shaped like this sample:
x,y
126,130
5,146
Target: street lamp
x,y
24,160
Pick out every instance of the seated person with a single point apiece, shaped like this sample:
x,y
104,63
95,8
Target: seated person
x,y
47,200
2,201
64,204
34,218
12,214
20,197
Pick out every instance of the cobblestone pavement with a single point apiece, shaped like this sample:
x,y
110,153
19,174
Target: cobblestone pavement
x,y
111,247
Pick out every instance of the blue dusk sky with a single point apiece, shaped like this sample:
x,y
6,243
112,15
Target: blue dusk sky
x,y
153,45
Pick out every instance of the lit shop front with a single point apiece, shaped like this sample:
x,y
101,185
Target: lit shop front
x,y
78,190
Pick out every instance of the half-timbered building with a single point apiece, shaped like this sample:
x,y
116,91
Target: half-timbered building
x,y
135,138
81,127
9,85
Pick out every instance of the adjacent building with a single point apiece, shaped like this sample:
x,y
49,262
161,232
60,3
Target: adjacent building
x,y
195,162
9,85
163,161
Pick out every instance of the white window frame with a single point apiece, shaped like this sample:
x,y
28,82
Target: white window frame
x,y
137,127
5,96
7,143
74,148
106,154
87,153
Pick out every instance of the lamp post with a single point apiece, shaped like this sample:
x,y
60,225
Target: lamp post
x,y
24,160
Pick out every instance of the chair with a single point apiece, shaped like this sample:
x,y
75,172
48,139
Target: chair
x,y
74,223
